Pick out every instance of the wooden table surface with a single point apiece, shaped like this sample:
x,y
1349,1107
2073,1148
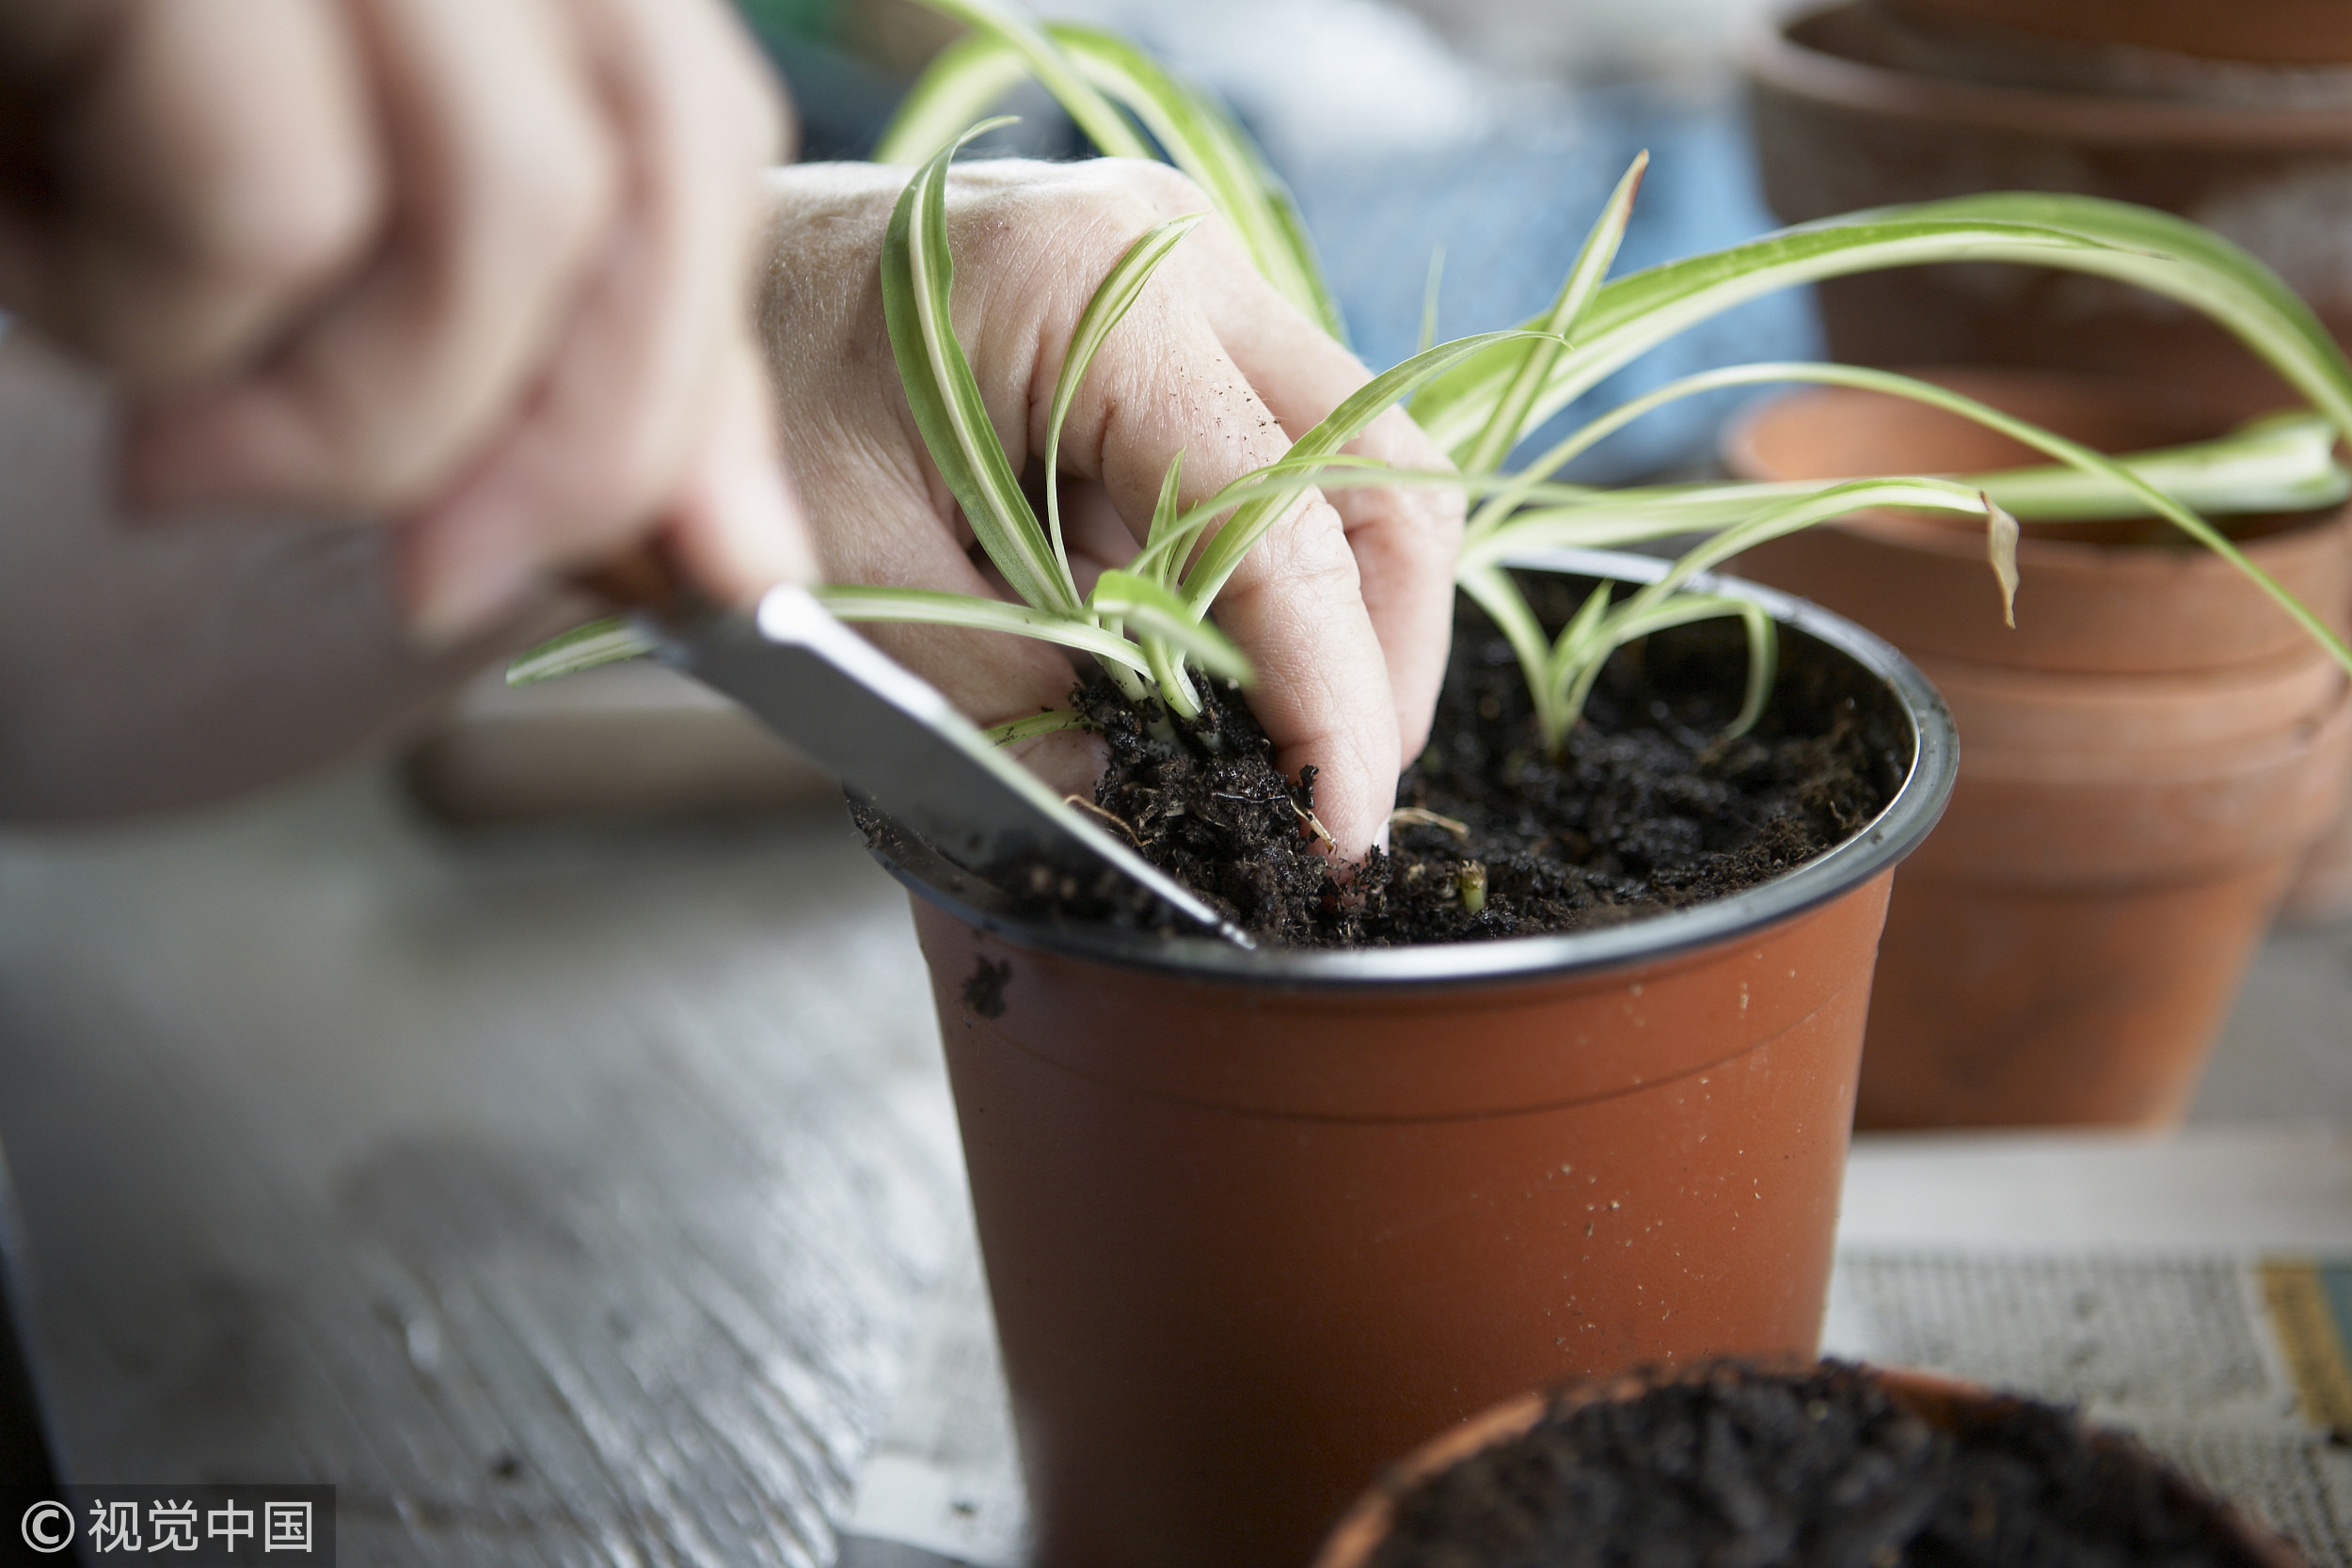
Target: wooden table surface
x,y
560,1195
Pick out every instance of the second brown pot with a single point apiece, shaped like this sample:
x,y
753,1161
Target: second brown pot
x,y
2144,761
1370,1532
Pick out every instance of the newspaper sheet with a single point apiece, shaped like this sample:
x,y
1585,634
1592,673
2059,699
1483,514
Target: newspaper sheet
x,y
2195,1290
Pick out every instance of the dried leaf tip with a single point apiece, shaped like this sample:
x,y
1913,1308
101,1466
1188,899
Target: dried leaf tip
x,y
2000,537
1421,816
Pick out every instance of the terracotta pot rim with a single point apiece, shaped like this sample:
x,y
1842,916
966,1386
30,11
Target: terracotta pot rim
x,y
2035,553
1773,58
1917,804
1934,1396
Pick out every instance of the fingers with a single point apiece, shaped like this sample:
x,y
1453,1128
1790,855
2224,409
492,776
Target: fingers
x,y
1031,245
659,332
1296,606
1164,383
1404,541
733,522
736,524
879,512
161,215
505,176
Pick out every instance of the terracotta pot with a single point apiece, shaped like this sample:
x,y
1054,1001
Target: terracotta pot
x,y
2145,759
1841,122
1940,1400
1256,1221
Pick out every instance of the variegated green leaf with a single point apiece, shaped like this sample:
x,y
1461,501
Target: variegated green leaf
x,y
2281,463
917,278
963,83
1099,79
1633,621
1786,518
1201,138
1162,555
1098,120
1111,301
2120,476
1505,605
2132,245
1250,522
1147,607
606,642
927,607
1507,423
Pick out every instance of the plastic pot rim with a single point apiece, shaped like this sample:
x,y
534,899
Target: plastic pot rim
x,y
1916,807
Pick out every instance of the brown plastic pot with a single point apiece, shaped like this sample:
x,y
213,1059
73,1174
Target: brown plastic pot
x,y
1940,1400
1256,1221
1843,122
2146,758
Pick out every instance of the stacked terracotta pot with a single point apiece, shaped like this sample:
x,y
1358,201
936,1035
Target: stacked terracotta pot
x,y
1867,103
2144,760
2238,117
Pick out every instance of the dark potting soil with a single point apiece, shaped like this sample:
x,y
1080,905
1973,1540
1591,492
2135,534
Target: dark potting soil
x,y
1734,1469
1649,809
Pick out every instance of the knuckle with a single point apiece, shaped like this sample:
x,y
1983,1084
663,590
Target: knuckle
x,y
1306,558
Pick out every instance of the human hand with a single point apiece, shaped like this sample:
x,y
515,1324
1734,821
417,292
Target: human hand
x,y
1345,606
476,265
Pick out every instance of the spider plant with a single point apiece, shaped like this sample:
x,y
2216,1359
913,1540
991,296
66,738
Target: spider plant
x,y
1481,396
1482,404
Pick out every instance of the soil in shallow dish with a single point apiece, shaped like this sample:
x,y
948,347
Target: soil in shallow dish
x,y
1651,809
1822,1469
